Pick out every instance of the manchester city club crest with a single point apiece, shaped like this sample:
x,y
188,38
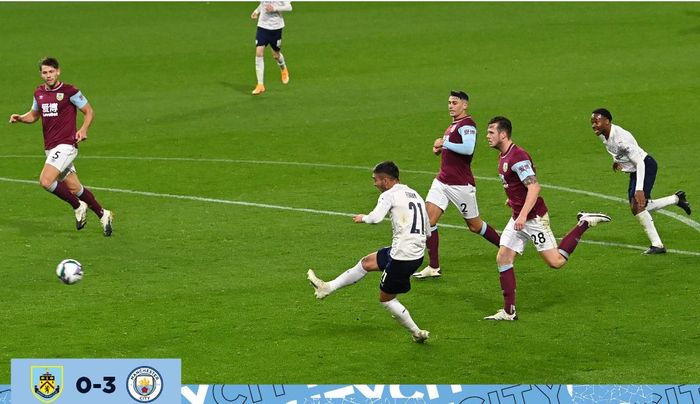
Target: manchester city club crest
x,y
59,96
144,384
46,382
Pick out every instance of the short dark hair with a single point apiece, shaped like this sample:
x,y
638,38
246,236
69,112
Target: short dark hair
x,y
460,94
603,112
48,61
502,124
387,168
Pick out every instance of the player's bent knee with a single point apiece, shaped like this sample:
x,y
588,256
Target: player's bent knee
x,y
385,297
503,260
474,228
45,183
557,263
369,262
634,209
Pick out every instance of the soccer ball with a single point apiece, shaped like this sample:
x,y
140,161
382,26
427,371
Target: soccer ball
x,y
69,271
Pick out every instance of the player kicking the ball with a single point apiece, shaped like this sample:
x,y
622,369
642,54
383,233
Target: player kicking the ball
x,y
409,222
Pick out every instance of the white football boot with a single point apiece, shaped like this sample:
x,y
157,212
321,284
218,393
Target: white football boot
x,y
501,315
106,221
81,215
592,218
428,272
421,336
321,288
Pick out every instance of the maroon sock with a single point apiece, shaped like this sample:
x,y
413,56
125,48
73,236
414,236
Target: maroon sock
x,y
89,198
508,287
491,235
570,241
64,193
432,244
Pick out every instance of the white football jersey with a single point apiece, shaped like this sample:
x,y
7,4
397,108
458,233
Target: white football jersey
x,y
273,20
624,149
409,221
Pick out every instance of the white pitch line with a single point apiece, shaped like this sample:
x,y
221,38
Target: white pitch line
x,y
197,198
304,210
683,219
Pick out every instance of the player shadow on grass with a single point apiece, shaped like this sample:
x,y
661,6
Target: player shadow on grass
x,y
239,88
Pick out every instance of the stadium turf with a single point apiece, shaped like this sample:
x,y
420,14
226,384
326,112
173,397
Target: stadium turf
x,y
178,146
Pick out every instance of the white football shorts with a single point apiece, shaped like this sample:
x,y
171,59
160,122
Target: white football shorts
x,y
536,230
462,196
62,157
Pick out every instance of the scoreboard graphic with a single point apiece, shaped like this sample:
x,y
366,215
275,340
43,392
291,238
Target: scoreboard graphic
x,y
123,381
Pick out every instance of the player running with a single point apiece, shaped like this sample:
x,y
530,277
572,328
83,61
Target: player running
x,y
630,158
270,26
56,103
529,220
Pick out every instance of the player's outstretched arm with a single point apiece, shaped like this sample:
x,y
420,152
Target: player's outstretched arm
x,y
29,117
378,213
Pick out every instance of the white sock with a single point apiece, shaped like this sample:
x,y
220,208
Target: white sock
x,y
648,223
661,203
280,61
352,275
401,314
260,69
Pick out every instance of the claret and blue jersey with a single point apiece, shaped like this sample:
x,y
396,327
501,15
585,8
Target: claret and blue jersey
x,y
58,109
514,166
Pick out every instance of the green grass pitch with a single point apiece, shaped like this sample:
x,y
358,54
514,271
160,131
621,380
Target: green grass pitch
x,y
223,286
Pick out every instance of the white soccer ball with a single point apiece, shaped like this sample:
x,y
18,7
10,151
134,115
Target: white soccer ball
x,y
69,271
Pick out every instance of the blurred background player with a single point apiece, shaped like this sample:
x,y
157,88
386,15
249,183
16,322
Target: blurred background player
x,y
409,222
529,220
270,25
56,103
455,182
630,158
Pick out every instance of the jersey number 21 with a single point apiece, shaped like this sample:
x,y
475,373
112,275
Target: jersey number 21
x,y
418,225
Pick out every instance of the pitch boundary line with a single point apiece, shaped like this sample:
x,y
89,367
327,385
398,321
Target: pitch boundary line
x,y
304,210
683,219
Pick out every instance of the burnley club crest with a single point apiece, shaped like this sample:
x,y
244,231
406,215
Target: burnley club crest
x,y
47,382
